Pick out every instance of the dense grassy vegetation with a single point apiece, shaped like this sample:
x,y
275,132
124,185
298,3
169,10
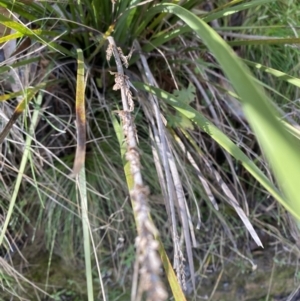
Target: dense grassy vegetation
x,y
134,135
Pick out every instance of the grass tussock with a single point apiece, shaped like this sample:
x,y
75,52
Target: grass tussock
x,y
163,157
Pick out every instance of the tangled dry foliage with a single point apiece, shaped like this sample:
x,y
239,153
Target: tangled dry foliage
x,y
148,262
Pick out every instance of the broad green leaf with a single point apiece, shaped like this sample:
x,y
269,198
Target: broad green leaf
x,y
187,95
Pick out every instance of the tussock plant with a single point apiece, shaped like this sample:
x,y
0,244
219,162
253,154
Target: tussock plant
x,y
147,146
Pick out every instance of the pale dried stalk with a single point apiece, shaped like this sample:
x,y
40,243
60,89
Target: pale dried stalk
x,y
173,183
146,245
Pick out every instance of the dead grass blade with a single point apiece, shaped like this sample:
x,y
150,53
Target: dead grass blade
x,y
200,175
174,185
230,197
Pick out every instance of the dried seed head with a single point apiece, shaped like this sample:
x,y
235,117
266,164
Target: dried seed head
x,y
109,51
